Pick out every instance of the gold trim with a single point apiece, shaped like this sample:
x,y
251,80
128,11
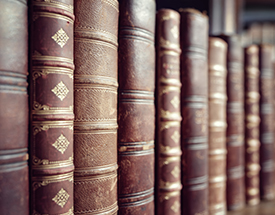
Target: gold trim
x,y
169,124
70,212
38,163
109,45
38,56
55,4
168,150
38,126
169,81
168,160
112,3
45,180
252,191
168,114
45,70
40,109
167,196
166,89
36,15
170,52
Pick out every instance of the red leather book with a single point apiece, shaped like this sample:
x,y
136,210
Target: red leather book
x,y
168,179
252,120
217,52
136,109
235,193
194,109
14,171
51,104
95,107
266,123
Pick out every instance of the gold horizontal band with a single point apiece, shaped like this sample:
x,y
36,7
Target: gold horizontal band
x,y
169,124
169,150
169,52
167,160
253,201
217,179
55,4
98,42
169,81
169,185
52,15
253,168
92,178
38,163
38,71
217,70
166,89
168,195
52,58
38,126
252,191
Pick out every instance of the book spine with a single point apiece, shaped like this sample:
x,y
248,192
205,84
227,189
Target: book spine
x,y
266,123
136,109
14,171
51,103
95,107
252,121
194,109
168,178
235,124
217,125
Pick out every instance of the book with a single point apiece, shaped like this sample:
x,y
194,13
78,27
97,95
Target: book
x,y
194,110
217,54
235,194
51,104
266,122
95,106
136,108
168,150
252,120
14,170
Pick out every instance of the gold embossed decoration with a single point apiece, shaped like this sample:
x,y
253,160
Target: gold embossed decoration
x,y
60,90
176,171
60,37
176,206
61,144
61,198
176,136
175,32
175,101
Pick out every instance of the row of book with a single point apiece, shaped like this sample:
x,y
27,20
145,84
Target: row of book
x,y
130,112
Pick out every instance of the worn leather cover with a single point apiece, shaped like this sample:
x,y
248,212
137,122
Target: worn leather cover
x,y
14,171
217,53
51,104
95,107
168,148
136,109
266,124
252,121
235,124
194,109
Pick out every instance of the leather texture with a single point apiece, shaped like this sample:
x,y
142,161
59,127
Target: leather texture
x,y
252,121
266,122
14,171
217,53
95,106
235,124
168,163
136,109
194,109
51,104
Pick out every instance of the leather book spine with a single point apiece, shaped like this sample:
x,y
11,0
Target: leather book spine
x,y
235,124
217,50
252,120
266,123
168,148
51,104
95,106
194,109
136,108
14,171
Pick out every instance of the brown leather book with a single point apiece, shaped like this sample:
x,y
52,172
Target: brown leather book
x,y
168,163
235,193
95,106
252,120
136,109
217,52
51,104
266,123
194,109
14,171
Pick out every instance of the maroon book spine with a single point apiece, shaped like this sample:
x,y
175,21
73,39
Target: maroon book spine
x,y
235,193
252,121
168,148
194,109
266,123
136,109
217,125
14,171
51,104
95,107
